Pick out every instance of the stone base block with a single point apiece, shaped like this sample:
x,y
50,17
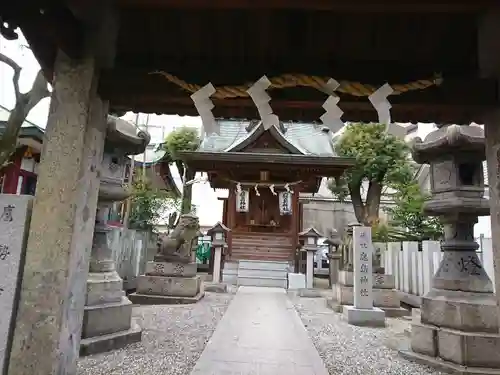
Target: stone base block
x,y
390,312
148,299
171,269
104,287
380,281
463,311
215,287
172,286
364,317
445,366
395,312
107,318
470,349
424,339
381,297
117,340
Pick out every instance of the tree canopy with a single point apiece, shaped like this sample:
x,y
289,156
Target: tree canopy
x,y
183,139
149,205
382,160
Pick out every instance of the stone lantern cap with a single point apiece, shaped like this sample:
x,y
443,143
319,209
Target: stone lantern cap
x,y
218,228
126,136
449,139
310,233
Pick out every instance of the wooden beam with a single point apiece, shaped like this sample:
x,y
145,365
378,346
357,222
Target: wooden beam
x,y
358,6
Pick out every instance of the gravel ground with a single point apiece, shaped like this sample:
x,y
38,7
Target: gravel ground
x,y
173,339
350,350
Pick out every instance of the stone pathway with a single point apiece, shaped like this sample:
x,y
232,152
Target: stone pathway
x,y
260,333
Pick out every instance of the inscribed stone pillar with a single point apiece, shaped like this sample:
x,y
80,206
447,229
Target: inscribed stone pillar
x,y
363,313
49,319
15,215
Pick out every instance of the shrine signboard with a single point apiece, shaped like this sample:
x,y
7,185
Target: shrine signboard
x,y
15,213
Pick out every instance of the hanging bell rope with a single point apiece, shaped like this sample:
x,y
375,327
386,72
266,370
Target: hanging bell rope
x,y
303,80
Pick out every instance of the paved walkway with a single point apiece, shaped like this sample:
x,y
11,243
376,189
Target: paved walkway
x,y
260,334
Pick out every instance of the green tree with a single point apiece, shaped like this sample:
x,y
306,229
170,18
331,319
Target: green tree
x,y
381,159
150,205
183,139
407,214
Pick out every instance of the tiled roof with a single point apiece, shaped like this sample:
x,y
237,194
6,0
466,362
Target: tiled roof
x,y
308,138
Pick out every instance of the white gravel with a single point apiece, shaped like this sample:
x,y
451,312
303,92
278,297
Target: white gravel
x,y
173,339
351,350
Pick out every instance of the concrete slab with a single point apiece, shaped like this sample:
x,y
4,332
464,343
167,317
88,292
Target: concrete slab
x,y
260,333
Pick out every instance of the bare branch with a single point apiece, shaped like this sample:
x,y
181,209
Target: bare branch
x,y
24,104
17,73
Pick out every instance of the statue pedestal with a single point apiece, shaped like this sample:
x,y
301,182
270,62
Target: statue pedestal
x,y
168,283
385,296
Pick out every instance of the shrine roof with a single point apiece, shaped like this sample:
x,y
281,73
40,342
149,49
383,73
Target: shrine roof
x,y
305,138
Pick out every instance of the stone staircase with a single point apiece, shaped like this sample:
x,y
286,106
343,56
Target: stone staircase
x,y
256,273
261,246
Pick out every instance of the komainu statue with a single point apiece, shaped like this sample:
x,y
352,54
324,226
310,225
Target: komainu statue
x,y
177,245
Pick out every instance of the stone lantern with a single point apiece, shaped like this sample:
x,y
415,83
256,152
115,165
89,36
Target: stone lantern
x,y
458,326
107,321
310,237
218,233
334,242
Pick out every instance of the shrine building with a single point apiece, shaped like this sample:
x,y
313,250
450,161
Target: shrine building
x,y
265,170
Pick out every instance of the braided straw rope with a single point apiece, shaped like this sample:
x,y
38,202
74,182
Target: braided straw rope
x,y
302,80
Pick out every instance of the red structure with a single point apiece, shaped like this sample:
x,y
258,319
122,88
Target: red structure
x,y
20,175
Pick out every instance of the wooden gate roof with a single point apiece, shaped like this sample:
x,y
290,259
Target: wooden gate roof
x,y
235,42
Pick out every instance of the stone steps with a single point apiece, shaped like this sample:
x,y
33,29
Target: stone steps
x,y
256,273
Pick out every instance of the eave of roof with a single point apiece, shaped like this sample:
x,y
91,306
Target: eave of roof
x,y
289,160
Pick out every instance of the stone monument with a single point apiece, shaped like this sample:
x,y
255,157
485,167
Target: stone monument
x,y
458,327
363,313
107,321
171,278
15,214
385,295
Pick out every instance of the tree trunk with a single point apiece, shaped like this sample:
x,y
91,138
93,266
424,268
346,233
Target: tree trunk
x,y
187,192
372,205
357,202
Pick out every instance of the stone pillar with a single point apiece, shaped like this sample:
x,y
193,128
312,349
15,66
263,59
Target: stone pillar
x,y
363,313
489,65
458,322
171,278
107,321
310,238
219,234
49,319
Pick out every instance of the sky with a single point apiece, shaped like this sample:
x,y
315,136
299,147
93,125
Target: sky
x,y
209,209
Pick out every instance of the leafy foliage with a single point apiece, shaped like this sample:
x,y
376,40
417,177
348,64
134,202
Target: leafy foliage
x,y
183,139
408,213
381,159
149,205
